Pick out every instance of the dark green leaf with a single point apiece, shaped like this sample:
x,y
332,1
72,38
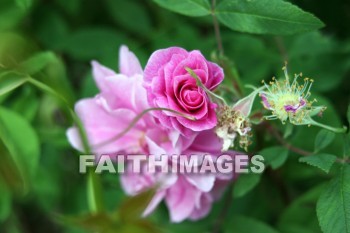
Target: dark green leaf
x,y
245,183
94,43
131,15
241,224
5,201
186,7
275,156
322,161
323,139
266,17
299,216
333,207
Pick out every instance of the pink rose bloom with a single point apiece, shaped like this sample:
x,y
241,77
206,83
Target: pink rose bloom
x,y
122,97
169,85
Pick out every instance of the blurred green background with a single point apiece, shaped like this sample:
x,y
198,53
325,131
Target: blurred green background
x,y
43,180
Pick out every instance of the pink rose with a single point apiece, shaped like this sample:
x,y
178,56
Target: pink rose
x,y
122,97
169,85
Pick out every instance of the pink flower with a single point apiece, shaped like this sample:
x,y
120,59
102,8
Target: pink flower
x,y
122,97
169,85
187,196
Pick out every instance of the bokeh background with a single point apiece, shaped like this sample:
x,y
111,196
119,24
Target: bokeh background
x,y
35,189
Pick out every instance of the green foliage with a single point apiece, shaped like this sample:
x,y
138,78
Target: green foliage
x,y
323,139
10,81
187,7
275,156
245,183
261,17
45,52
241,224
266,17
24,4
333,208
22,142
322,161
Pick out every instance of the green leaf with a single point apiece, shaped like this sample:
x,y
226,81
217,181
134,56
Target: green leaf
x,y
245,183
24,4
131,15
93,43
186,7
5,202
333,207
266,17
322,161
10,81
21,141
288,130
299,216
323,139
37,62
275,156
241,224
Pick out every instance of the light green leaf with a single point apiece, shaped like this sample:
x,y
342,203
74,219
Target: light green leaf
x,y
266,17
37,62
186,7
275,156
322,161
245,183
323,139
333,207
288,130
10,81
242,224
21,141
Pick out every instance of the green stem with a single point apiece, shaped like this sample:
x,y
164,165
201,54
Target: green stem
x,y
217,28
330,128
94,190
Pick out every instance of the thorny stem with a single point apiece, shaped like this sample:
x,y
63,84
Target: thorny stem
x,y
217,28
281,140
135,120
